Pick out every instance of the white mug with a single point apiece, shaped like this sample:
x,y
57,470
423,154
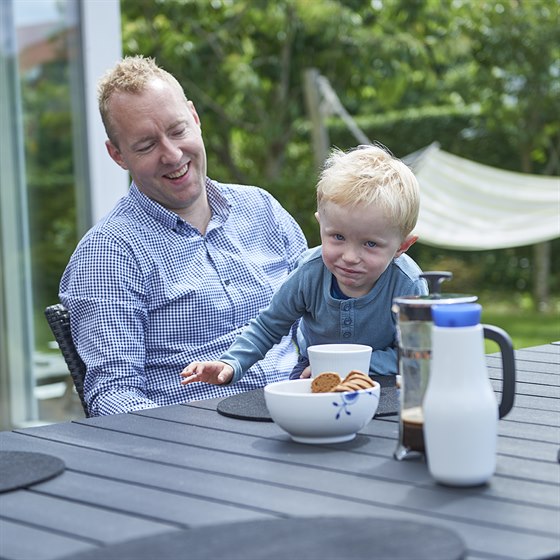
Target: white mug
x,y
339,358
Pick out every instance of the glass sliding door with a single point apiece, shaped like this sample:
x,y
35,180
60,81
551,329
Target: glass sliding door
x,y
16,341
46,190
47,45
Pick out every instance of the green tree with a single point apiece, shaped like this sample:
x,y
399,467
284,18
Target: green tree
x,y
479,76
514,74
242,63
49,156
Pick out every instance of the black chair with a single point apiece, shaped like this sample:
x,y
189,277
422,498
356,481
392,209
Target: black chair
x,y
58,318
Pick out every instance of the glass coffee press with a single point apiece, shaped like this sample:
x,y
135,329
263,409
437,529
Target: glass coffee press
x,y
414,334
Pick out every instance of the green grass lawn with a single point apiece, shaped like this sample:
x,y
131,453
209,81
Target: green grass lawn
x,y
525,325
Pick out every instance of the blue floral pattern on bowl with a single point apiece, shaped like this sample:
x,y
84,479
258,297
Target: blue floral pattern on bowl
x,y
347,400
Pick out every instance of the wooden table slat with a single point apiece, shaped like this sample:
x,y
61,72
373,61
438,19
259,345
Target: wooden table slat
x,y
226,445
84,521
21,541
183,466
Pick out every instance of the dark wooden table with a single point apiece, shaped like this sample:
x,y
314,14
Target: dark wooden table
x,y
187,466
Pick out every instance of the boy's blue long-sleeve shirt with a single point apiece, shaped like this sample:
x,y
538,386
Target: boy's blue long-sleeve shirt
x,y
306,294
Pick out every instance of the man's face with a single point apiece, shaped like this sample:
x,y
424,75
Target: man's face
x,y
157,138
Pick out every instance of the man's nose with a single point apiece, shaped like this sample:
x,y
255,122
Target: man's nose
x,y
171,153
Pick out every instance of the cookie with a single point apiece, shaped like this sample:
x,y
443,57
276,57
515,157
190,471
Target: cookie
x,y
325,382
355,374
354,381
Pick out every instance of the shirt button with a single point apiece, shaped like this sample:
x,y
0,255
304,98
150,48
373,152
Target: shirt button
x,y
346,307
347,321
346,334
226,282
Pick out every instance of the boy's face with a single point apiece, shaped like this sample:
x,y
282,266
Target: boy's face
x,y
358,244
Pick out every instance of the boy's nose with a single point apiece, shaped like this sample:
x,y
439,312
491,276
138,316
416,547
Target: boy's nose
x,y
351,255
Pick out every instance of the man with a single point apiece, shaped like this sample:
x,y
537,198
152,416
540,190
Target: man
x,y
180,265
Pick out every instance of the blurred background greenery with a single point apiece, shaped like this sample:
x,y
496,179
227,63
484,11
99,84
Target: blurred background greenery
x,y
480,77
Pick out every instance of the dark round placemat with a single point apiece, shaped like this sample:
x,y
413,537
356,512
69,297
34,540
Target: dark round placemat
x,y
389,403
19,469
246,406
252,406
324,538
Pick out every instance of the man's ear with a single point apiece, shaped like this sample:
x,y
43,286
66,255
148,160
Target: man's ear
x,y
192,109
115,154
406,245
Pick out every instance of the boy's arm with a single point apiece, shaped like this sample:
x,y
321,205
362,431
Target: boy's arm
x,y
217,373
384,362
268,328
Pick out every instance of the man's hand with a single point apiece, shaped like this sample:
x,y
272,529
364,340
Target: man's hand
x,y
216,373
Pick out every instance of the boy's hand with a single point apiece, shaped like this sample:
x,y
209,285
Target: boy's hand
x,y
216,373
306,373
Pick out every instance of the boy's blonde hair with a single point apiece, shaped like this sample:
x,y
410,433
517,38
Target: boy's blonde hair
x,y
371,175
130,75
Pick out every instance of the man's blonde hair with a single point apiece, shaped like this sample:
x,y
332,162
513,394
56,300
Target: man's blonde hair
x,y
130,75
371,175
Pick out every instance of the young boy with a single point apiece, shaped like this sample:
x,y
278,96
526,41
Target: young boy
x,y
367,207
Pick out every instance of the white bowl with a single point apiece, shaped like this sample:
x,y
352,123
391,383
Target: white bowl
x,y
320,417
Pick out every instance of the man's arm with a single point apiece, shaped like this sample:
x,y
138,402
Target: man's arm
x,y
103,291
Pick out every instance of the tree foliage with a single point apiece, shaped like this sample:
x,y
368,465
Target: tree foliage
x,y
50,176
514,74
479,76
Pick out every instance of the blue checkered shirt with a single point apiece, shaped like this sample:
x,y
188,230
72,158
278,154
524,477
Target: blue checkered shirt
x,y
148,294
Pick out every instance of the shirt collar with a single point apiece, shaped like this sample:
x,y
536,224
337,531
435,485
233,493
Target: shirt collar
x,y
336,292
218,203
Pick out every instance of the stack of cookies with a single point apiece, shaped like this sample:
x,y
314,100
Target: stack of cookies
x,y
329,382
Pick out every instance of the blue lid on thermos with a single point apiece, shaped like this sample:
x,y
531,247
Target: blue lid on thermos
x,y
457,315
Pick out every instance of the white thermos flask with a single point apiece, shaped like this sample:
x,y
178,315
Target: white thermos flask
x,y
460,408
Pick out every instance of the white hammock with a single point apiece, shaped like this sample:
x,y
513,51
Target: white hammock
x,y
469,206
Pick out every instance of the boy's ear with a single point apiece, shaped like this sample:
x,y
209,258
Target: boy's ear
x,y
317,217
406,245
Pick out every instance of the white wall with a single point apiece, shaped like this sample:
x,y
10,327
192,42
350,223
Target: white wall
x,y
102,48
